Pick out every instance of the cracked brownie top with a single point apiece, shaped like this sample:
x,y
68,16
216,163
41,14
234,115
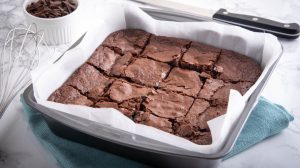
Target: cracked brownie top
x,y
172,84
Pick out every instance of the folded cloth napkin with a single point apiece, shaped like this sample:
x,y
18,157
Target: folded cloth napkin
x,y
265,120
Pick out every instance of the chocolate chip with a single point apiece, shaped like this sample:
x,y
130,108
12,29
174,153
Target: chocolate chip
x,y
51,8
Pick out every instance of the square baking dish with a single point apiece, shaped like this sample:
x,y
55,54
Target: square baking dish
x,y
137,147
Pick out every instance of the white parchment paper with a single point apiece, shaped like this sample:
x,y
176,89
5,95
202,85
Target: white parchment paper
x,y
107,18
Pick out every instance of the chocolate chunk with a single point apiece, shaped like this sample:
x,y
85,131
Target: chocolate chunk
x,y
237,67
183,81
51,8
69,95
165,49
147,72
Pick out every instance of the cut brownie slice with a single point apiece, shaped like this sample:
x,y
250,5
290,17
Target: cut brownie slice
x,y
90,81
103,58
128,40
118,69
149,119
221,96
210,87
187,125
236,67
165,49
106,104
147,72
69,95
121,90
200,57
128,96
209,114
168,105
183,81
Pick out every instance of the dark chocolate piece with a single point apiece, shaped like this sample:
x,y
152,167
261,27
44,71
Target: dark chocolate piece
x,y
51,8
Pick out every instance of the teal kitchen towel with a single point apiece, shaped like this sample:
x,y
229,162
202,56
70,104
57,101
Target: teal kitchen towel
x,y
265,120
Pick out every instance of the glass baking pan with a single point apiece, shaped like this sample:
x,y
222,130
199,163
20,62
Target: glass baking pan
x,y
136,147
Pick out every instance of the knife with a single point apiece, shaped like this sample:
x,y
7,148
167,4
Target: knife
x,y
258,24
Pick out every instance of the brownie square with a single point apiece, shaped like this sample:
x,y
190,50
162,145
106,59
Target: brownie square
x,y
168,104
221,95
147,72
103,58
128,95
187,125
121,91
183,81
209,114
121,63
149,119
69,95
165,49
107,104
210,87
236,67
89,81
200,57
128,40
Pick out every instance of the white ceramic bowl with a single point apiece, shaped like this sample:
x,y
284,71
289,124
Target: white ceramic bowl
x,y
59,30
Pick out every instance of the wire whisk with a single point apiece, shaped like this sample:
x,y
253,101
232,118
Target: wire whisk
x,y
20,54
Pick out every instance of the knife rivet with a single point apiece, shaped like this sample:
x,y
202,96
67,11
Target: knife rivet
x,y
286,25
255,19
225,13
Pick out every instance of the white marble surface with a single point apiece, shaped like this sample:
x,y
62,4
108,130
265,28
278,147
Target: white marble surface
x,y
20,148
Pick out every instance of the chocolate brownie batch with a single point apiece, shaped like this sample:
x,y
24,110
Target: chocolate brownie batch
x,y
172,84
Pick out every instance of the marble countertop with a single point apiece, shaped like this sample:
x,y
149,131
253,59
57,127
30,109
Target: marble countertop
x,y
19,148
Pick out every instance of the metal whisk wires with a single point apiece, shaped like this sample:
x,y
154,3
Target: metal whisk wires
x,y
20,54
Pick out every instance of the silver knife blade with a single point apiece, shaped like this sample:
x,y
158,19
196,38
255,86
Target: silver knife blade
x,y
76,43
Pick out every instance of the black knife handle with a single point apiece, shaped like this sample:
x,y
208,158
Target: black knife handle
x,y
282,30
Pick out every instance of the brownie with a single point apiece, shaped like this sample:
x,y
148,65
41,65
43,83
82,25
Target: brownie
x,y
151,120
121,63
200,57
129,40
236,67
103,58
209,114
210,87
188,124
147,72
69,95
88,80
174,85
165,49
221,96
183,81
168,104
108,104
